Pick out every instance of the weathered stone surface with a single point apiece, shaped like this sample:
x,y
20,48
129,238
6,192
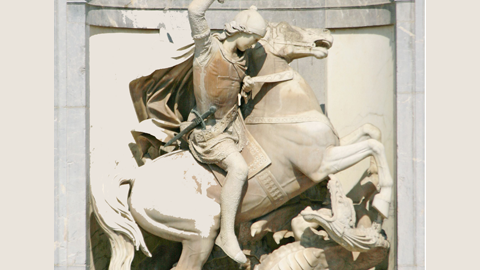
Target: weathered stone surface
x,y
309,15
410,135
360,16
71,137
239,4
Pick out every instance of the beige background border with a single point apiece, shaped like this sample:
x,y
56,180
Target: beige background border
x,y
451,100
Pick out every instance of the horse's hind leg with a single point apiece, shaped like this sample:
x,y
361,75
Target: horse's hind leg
x,y
339,158
195,253
196,249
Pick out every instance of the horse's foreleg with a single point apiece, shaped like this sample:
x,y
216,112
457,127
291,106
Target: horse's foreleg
x,y
339,158
365,132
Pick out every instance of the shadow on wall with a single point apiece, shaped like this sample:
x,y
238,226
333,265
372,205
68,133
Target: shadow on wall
x,y
361,88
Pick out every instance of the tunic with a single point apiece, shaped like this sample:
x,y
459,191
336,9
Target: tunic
x,y
216,81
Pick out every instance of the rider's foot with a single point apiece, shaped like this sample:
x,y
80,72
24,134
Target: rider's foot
x,y
230,246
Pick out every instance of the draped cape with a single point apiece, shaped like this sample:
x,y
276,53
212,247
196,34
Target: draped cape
x,y
162,100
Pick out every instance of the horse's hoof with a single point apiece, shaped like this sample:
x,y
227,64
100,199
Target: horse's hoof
x,y
382,206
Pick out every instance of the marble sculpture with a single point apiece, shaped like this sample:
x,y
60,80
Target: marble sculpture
x,y
248,163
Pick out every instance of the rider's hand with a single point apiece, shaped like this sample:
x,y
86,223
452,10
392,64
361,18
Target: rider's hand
x,y
248,84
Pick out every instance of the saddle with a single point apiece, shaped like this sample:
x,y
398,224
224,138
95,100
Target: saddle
x,y
258,164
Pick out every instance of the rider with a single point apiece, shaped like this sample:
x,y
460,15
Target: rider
x,y
218,72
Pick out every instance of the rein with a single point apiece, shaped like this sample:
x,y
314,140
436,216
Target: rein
x,y
300,44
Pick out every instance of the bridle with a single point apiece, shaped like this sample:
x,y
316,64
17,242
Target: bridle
x,y
273,42
300,44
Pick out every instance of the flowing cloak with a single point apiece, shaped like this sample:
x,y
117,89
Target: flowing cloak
x,y
162,100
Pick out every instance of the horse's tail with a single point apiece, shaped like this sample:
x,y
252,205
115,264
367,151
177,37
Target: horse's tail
x,y
109,203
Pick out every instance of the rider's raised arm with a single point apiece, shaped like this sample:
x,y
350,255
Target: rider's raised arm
x,y
199,25
196,16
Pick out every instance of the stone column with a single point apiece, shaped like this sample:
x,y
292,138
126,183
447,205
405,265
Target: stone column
x,y
71,136
410,56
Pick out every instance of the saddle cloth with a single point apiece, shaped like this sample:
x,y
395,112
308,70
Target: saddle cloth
x,y
258,163
253,154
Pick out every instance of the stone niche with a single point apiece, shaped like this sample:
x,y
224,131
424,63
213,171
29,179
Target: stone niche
x,y
355,85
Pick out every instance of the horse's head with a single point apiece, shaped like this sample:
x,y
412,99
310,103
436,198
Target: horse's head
x,y
292,42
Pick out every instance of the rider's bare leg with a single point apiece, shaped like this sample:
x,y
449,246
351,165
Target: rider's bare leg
x,y
338,158
237,172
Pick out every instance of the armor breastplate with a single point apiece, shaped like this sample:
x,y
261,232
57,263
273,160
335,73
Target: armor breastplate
x,y
217,82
